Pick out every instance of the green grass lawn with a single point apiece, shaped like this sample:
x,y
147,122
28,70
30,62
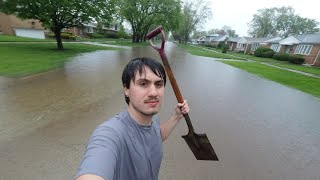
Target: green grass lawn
x,y
18,60
201,51
301,82
6,38
198,50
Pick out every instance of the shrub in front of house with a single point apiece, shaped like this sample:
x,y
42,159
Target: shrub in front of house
x,y
64,35
281,56
224,47
220,44
260,50
112,35
268,54
292,58
296,59
96,35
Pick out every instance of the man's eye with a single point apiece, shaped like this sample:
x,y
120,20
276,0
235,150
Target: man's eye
x,y
159,85
143,84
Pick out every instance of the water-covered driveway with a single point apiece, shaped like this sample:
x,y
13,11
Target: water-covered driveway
x,y
258,128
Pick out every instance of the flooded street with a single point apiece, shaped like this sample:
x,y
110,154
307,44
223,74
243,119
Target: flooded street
x,y
260,130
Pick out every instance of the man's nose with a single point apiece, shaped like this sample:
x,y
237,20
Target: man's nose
x,y
153,90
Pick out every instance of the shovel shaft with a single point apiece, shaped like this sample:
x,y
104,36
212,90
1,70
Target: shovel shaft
x,y
175,87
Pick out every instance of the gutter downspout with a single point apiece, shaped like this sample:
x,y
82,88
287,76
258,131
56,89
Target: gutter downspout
x,y
315,60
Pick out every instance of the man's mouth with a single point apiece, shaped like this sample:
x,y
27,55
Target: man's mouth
x,y
152,102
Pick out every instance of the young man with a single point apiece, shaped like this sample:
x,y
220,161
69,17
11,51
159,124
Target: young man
x,y
129,145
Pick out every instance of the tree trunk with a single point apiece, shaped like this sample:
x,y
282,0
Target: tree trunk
x,y
57,34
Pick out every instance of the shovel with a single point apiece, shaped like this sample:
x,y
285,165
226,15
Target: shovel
x,y
198,143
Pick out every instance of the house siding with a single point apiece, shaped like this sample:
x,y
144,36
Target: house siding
x,y
9,22
313,54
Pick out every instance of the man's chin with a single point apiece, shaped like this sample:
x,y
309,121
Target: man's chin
x,y
150,113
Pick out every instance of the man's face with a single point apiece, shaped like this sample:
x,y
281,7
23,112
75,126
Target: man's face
x,y
145,93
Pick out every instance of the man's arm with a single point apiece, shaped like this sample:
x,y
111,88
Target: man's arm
x,y
168,126
90,177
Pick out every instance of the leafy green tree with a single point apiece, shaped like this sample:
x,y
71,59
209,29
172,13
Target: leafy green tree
x,y
194,14
280,21
229,31
59,14
144,15
264,23
197,34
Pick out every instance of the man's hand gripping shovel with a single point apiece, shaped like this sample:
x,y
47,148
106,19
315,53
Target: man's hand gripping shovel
x,y
198,143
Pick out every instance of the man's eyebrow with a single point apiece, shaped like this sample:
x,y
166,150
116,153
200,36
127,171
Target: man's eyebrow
x,y
160,81
143,79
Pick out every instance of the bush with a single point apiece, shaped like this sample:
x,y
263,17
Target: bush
x,y
268,54
281,56
96,35
220,44
260,50
64,35
296,59
112,35
224,47
292,58
72,37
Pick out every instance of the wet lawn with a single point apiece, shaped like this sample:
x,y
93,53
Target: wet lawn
x,y
210,52
6,38
310,85
21,59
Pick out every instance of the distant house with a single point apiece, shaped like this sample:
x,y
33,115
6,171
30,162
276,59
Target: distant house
x,y
12,25
89,28
212,39
221,38
307,45
274,44
201,40
232,42
248,45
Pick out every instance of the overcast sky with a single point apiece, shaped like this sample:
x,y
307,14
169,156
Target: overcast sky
x,y
238,13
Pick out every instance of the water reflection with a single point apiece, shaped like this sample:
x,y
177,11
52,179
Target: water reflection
x,y
259,129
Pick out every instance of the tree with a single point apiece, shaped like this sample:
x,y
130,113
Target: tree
x,y
57,15
143,15
225,30
197,34
193,15
280,21
229,31
264,23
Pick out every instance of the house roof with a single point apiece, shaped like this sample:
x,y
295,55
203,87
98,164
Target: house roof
x,y
304,39
309,38
274,40
232,39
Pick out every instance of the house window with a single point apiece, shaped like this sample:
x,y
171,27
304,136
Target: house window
x,y
89,30
275,47
254,47
303,49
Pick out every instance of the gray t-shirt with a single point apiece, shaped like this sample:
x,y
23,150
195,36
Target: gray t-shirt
x,y
121,149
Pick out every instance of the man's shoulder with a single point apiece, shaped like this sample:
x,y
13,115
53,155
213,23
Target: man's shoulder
x,y
116,124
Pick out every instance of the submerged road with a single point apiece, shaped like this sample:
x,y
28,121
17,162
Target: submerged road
x,y
258,128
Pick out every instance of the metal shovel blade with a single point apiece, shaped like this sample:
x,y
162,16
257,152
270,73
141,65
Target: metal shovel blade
x,y
200,146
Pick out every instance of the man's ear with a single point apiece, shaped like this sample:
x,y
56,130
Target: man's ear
x,y
126,91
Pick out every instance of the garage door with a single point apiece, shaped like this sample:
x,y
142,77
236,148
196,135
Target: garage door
x,y
32,33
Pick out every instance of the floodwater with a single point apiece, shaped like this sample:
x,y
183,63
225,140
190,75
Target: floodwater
x,y
260,130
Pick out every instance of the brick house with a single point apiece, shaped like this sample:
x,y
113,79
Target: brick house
x,y
248,45
307,45
12,25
